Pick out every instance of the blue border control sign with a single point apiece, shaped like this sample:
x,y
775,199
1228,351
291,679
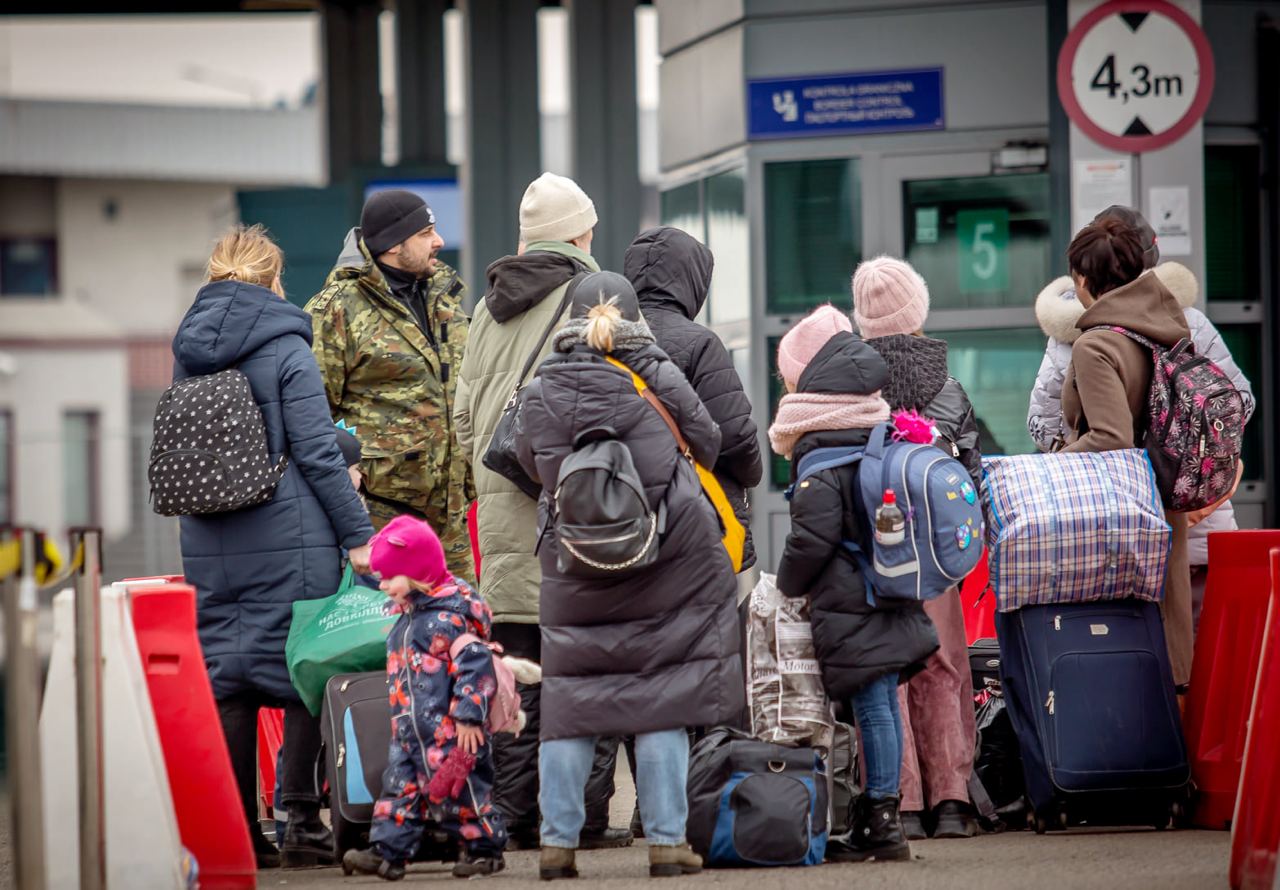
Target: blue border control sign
x,y
867,102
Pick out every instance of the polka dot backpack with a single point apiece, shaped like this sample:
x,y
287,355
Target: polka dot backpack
x,y
209,449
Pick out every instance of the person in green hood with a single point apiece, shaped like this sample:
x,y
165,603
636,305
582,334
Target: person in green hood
x,y
523,298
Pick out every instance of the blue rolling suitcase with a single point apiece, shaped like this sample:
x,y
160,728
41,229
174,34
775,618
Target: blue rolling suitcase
x,y
1090,693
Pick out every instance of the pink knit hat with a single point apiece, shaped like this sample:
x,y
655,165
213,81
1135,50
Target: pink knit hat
x,y
889,297
410,547
809,335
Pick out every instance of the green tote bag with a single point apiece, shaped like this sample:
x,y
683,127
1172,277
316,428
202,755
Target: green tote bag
x,y
341,634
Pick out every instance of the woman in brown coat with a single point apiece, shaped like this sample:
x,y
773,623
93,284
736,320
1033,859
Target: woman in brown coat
x,y
1105,391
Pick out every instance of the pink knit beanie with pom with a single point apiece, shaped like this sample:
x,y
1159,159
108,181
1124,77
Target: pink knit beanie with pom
x,y
410,547
889,297
809,335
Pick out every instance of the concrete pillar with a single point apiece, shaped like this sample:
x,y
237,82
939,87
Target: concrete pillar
x,y
503,153
420,80
605,152
353,101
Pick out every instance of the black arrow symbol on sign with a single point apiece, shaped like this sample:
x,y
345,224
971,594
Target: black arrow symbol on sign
x,y
1134,19
1137,128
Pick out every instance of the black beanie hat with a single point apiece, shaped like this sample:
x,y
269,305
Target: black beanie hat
x,y
1135,220
349,445
596,287
390,217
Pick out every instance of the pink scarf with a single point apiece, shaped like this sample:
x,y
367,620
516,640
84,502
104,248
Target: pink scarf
x,y
800,413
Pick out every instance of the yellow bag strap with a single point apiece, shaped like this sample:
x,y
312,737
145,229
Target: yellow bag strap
x,y
648,395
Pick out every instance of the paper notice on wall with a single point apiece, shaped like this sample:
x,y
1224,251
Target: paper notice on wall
x,y
1096,185
1169,212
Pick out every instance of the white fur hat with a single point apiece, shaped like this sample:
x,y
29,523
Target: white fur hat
x,y
1058,310
555,208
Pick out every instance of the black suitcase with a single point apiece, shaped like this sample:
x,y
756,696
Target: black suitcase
x,y
1090,692
355,725
984,665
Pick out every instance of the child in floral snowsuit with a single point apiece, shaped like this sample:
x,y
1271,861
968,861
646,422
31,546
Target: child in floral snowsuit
x,y
438,711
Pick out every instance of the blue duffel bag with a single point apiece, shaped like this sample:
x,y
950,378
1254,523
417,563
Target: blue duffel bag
x,y
752,803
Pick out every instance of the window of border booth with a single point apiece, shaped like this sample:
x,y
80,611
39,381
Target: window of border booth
x,y
713,210
813,233
981,242
997,368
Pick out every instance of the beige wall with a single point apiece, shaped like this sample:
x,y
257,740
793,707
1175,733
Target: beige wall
x,y
48,379
142,265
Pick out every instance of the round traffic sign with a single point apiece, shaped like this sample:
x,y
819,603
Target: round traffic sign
x,y
1135,75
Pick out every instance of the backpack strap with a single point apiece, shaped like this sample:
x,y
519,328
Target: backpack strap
x,y
820,459
466,639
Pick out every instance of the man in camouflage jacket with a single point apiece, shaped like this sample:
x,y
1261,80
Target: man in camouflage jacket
x,y
390,330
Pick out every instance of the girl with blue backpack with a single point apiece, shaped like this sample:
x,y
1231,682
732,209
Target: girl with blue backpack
x,y
865,645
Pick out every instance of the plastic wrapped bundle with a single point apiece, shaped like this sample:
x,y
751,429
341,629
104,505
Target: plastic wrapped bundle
x,y
784,688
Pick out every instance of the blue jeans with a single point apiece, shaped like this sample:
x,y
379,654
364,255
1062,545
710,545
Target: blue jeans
x,y
876,708
662,769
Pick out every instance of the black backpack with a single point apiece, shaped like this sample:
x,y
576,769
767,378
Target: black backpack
x,y
209,448
601,516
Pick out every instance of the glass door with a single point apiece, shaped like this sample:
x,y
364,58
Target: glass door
x,y
981,241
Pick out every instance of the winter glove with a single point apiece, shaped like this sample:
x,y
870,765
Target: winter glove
x,y
451,777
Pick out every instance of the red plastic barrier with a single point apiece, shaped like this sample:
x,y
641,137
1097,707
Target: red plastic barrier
x,y
210,816
474,530
979,604
1225,662
1255,830
270,738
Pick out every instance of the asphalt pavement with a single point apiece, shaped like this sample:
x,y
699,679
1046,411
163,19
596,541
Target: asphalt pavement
x,y
1077,860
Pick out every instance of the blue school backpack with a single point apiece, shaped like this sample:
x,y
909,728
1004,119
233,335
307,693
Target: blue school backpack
x,y
944,530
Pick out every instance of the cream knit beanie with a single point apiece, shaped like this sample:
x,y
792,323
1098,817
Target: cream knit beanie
x,y
554,208
889,297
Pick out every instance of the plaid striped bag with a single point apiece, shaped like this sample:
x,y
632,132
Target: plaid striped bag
x,y
1074,528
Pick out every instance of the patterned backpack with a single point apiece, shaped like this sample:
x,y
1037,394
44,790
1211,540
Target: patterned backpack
x,y
209,449
1194,426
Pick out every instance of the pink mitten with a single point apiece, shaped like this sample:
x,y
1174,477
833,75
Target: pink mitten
x,y
451,778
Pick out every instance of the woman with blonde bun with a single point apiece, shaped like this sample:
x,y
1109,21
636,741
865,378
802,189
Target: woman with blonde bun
x,y
648,651
249,566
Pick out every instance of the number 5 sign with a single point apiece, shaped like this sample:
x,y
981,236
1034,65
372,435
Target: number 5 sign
x,y
983,237
1135,75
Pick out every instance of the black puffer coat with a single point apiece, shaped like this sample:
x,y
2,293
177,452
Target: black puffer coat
x,y
919,379
656,648
671,272
855,642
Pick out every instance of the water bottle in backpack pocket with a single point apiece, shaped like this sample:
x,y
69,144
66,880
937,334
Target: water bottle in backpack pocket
x,y
923,508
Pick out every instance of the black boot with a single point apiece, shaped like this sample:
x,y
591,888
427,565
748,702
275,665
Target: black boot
x,y
308,843
367,862
954,818
913,825
876,833
637,827
265,853
605,839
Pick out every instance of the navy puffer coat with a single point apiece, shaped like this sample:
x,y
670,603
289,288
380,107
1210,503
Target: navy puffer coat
x,y
249,566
